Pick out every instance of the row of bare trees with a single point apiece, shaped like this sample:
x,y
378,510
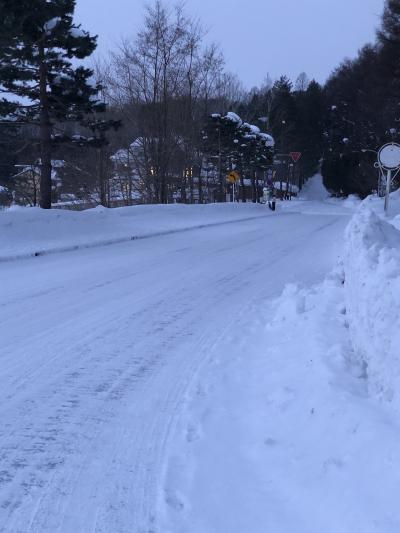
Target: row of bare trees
x,y
164,84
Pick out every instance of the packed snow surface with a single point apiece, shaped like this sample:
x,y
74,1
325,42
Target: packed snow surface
x,y
280,434
213,377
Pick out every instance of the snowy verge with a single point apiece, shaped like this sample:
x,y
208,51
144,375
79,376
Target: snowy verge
x,y
372,288
314,189
279,433
376,204
28,232
314,199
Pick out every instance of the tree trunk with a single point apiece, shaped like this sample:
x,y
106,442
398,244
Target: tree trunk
x,y
163,189
191,185
253,187
200,184
242,186
257,186
220,177
45,138
102,180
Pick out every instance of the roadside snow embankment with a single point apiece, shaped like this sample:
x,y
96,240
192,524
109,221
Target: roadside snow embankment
x,y
28,232
279,429
372,289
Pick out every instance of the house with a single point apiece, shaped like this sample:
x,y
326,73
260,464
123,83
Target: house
x,y
283,189
26,182
127,184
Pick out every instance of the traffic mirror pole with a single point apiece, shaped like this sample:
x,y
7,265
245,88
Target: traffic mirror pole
x,y
388,185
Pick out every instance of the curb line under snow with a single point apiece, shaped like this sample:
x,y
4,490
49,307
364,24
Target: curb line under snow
x,y
119,240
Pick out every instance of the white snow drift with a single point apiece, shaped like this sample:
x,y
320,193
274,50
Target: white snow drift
x,y
28,232
372,287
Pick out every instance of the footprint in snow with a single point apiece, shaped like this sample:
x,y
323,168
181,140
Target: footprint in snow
x,y
270,442
174,501
192,434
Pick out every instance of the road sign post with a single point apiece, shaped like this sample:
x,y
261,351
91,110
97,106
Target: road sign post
x,y
233,177
295,158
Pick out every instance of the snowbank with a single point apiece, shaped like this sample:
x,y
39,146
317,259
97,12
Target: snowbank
x,y
314,189
279,433
372,288
314,199
28,232
376,204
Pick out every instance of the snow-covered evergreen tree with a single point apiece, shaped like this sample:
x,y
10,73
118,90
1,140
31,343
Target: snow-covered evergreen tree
x,y
389,34
41,84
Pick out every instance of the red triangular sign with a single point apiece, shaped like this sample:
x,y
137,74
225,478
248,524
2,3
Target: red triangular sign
x,y
295,156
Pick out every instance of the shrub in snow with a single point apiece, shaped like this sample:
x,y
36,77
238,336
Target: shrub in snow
x,y
372,287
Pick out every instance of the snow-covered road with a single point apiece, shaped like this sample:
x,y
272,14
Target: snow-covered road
x,y
99,346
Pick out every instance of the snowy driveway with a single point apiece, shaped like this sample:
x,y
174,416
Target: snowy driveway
x,y
98,348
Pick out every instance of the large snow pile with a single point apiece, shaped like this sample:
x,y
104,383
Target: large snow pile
x,y
372,288
32,231
314,189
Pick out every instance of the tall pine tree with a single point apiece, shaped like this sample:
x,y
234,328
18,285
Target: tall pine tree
x,y
389,37
38,43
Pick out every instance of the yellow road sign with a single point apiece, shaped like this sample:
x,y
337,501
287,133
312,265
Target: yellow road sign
x,y
233,176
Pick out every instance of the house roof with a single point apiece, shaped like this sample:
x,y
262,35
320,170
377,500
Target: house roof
x,y
55,164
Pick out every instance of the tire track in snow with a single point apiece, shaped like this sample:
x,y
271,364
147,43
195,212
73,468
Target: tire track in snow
x,y
93,392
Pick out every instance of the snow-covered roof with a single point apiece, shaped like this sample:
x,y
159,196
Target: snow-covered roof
x,y
124,155
137,144
120,156
36,167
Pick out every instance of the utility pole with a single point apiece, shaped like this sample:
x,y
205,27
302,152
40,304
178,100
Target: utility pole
x,y
221,185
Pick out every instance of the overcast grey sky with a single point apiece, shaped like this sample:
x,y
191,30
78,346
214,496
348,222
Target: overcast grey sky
x,y
256,36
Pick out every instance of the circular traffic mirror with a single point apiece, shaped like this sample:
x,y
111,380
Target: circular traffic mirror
x,y
389,156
